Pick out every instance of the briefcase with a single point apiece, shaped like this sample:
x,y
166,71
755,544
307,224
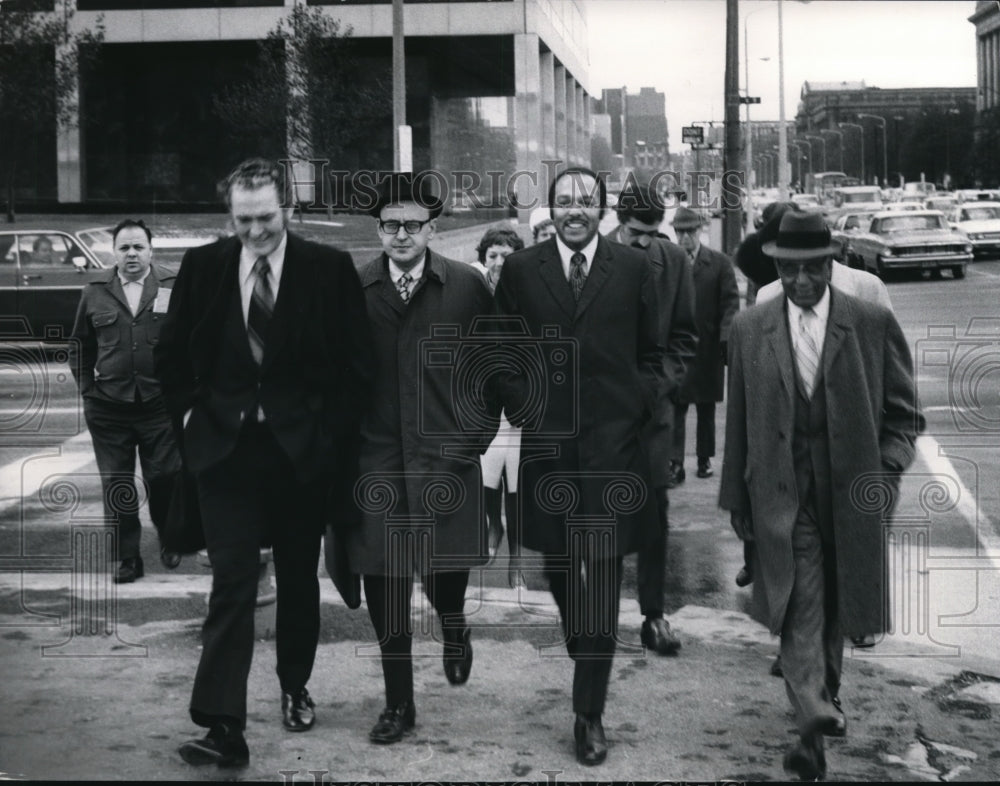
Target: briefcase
x,y
182,532
348,584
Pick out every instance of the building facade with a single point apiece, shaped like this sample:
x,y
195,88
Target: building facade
x,y
490,84
638,126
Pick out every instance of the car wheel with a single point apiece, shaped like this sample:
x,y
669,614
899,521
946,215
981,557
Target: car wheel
x,y
958,271
879,270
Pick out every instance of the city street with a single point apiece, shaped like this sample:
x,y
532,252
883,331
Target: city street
x,y
115,663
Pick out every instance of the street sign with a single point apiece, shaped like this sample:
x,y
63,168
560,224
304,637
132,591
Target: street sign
x,y
749,99
692,135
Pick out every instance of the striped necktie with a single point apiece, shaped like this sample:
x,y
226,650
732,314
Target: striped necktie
x,y
807,350
577,278
261,309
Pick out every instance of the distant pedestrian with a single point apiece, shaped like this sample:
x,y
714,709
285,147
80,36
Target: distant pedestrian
x,y
751,260
117,325
639,215
501,459
265,361
821,395
415,452
717,300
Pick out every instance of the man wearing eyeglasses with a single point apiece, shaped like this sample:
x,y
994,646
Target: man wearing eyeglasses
x,y
418,493
640,212
821,419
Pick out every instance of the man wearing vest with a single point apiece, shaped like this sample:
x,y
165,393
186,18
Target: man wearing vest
x,y
117,326
264,360
821,403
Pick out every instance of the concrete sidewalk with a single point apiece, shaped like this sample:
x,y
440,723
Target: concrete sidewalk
x,y
115,707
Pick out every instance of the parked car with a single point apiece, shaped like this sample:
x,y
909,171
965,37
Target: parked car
x,y
942,202
853,199
919,240
43,270
977,195
808,203
844,228
980,223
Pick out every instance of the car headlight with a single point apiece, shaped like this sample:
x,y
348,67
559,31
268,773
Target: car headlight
x,y
974,235
887,252
968,249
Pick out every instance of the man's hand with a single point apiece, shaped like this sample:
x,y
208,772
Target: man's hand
x,y
742,524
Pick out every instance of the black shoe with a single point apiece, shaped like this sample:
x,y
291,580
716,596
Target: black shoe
x,y
745,577
656,635
458,655
222,746
129,570
864,641
776,667
169,559
393,723
297,710
705,468
675,475
806,759
591,744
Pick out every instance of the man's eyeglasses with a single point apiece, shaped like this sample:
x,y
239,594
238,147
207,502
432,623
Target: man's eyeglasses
x,y
412,227
789,269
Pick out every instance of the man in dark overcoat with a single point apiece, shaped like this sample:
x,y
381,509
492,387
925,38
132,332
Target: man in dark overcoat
x,y
590,313
640,212
264,360
821,412
420,487
716,302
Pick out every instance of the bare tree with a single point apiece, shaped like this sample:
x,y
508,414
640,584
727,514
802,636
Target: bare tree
x,y
40,62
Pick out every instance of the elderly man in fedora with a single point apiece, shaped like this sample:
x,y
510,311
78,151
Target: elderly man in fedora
x,y
821,403
716,301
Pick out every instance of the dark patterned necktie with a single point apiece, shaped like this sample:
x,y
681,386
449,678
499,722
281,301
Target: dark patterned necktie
x,y
261,309
577,278
403,286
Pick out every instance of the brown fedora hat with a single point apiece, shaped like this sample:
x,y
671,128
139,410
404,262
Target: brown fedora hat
x,y
686,218
800,236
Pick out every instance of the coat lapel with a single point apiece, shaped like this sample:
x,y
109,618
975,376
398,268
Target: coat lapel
x,y
781,345
149,289
228,281
114,286
600,269
837,328
292,298
550,269
377,275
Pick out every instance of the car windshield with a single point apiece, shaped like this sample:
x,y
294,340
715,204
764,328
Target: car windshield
x,y
863,196
909,223
980,213
100,243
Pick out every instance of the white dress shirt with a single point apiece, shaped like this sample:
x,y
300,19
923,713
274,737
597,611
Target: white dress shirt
x,y
133,291
566,255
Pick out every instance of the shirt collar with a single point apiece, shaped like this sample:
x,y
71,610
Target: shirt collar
x,y
139,281
416,272
276,259
566,253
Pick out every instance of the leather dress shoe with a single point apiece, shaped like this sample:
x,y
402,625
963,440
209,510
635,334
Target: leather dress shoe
x,y
776,667
656,635
864,641
169,559
222,746
393,723
704,468
297,709
458,656
806,759
675,475
129,570
591,744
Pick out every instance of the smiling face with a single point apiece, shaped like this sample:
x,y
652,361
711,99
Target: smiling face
x,y
805,280
576,209
132,253
258,218
494,258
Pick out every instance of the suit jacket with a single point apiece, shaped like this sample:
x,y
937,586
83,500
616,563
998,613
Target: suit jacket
x,y
872,423
420,483
679,336
315,373
859,283
591,379
716,302
112,358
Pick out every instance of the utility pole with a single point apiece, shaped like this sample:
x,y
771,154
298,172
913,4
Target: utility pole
x,y
402,145
732,215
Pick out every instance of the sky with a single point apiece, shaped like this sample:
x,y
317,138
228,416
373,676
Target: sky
x,y
678,47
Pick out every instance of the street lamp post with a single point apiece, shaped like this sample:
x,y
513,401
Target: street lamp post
x,y
822,149
885,165
861,135
840,143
